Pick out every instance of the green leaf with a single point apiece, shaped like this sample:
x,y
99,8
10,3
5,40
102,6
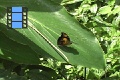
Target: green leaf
x,y
105,10
116,10
93,8
16,52
111,2
37,74
7,75
46,22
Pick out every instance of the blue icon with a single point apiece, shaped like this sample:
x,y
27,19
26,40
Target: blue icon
x,y
17,17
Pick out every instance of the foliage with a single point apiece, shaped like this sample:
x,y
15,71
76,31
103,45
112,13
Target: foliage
x,y
42,34
102,17
33,60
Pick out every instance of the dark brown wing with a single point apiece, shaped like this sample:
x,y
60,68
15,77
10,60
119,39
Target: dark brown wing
x,y
59,41
64,39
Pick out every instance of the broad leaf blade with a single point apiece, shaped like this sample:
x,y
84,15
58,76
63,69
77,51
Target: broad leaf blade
x,y
16,52
50,20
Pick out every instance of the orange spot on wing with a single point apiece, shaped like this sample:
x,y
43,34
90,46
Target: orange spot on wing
x,y
64,40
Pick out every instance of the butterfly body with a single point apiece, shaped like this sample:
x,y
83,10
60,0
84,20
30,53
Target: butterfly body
x,y
64,40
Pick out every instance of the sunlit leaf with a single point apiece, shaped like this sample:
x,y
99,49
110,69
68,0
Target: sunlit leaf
x,y
46,22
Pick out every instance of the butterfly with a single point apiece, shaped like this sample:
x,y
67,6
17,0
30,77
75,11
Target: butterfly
x,y
64,39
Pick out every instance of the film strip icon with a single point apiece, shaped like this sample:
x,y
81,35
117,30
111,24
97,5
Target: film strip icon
x,y
17,17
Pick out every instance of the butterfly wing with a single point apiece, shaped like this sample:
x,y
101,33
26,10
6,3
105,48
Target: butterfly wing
x,y
64,40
